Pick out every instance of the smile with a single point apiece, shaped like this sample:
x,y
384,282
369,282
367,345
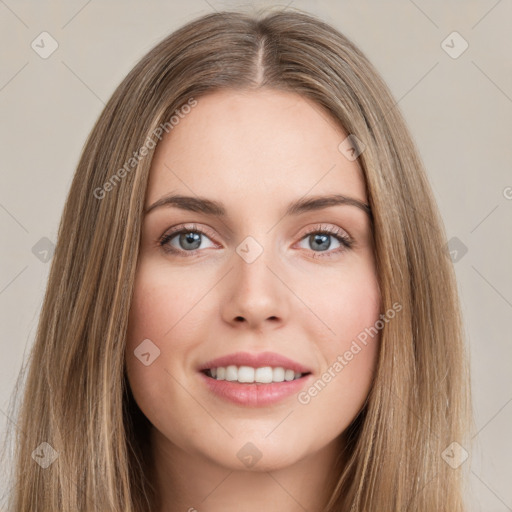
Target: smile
x,y
249,374
244,390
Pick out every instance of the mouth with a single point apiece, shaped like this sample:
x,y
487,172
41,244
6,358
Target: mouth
x,y
254,379
251,375
248,386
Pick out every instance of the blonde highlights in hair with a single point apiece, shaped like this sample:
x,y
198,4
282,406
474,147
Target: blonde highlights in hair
x,y
76,394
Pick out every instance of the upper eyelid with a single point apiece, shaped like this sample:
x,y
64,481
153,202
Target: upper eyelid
x,y
331,228
189,227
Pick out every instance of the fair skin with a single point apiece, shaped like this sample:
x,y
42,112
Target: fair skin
x,y
254,152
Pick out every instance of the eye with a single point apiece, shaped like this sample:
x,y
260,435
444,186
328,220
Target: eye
x,y
184,240
319,240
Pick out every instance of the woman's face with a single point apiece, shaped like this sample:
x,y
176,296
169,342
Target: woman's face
x,y
264,287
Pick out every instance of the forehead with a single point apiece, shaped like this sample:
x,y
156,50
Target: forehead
x,y
263,143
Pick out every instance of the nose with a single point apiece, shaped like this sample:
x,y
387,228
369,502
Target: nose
x,y
255,296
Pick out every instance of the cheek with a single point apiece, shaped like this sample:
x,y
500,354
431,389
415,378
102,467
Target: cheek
x,y
158,304
348,304
162,310
162,302
349,351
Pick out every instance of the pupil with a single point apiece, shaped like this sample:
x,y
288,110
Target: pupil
x,y
321,240
193,238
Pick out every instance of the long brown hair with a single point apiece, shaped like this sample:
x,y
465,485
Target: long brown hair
x,y
76,396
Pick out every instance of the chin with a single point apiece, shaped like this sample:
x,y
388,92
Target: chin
x,y
255,453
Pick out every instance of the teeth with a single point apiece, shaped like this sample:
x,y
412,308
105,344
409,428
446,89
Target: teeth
x,y
231,373
289,375
248,374
263,375
278,374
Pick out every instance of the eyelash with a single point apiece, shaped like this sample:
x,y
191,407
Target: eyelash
x,y
345,241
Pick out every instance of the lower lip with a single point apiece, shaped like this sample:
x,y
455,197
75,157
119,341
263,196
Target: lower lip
x,y
254,395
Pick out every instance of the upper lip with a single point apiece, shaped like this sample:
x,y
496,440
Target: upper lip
x,y
258,360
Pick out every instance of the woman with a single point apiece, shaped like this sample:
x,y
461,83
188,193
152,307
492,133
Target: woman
x,y
250,304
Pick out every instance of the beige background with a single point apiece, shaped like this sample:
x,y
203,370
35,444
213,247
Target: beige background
x,y
459,111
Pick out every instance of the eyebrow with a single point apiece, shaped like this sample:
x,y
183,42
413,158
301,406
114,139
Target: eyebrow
x,y
302,205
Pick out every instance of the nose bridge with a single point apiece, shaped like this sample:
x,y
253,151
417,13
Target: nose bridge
x,y
253,258
256,294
